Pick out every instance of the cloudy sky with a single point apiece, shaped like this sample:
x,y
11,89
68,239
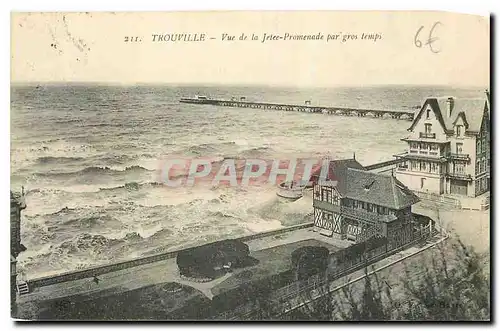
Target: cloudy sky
x,y
91,48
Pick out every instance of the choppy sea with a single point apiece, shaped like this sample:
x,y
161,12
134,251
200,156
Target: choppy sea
x,y
90,158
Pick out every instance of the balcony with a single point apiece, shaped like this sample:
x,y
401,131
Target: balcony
x,y
434,152
424,156
459,156
402,168
365,216
326,206
461,176
431,138
427,135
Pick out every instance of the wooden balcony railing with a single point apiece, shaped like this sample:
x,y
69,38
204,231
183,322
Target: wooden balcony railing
x,y
360,214
459,156
428,135
458,175
423,155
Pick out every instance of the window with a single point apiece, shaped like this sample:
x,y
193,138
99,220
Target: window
x,y
428,128
459,130
428,114
326,195
423,166
433,149
459,168
459,148
414,146
434,167
477,167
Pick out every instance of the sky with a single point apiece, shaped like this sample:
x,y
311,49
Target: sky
x,y
91,47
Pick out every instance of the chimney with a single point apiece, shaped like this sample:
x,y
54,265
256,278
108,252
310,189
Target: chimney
x,y
450,102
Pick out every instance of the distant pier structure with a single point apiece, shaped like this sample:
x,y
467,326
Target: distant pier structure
x,y
242,102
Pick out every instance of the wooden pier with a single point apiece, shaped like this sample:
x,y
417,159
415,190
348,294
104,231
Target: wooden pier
x,y
307,108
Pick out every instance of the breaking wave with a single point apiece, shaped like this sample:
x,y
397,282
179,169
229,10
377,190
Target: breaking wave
x,y
58,159
96,171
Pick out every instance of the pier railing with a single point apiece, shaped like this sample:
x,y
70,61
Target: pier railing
x,y
346,111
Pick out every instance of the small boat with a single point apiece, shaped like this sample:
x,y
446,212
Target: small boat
x,y
291,190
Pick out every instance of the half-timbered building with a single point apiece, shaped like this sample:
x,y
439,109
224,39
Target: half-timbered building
x,y
356,204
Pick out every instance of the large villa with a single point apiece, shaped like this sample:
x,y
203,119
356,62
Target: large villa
x,y
448,147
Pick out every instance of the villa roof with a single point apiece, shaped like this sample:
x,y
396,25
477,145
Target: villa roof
x,y
337,169
470,109
354,182
379,189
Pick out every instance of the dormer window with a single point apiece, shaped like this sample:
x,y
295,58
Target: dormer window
x,y
459,130
428,128
369,185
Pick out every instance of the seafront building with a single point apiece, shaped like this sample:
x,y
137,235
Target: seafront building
x,y
448,147
357,204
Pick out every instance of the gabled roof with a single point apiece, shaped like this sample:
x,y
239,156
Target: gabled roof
x,y
464,120
472,110
354,182
379,189
337,169
434,104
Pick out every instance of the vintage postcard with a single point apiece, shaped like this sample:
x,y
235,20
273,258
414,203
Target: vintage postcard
x,y
250,165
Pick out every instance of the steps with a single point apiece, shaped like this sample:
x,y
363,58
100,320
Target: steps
x,y
23,288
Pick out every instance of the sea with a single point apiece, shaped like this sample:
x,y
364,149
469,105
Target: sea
x,y
89,158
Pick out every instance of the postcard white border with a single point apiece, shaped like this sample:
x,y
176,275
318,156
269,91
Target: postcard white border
x,y
476,7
